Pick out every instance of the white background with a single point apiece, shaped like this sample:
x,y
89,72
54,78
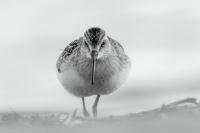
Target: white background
x,y
161,37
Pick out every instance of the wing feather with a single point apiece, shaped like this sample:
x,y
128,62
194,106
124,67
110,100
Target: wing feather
x,y
117,46
67,52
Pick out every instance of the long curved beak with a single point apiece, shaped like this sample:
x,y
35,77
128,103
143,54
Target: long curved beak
x,y
94,55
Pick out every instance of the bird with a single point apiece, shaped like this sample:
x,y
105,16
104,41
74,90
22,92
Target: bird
x,y
93,64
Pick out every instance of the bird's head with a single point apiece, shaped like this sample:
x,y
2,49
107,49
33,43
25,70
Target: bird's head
x,y
95,46
95,41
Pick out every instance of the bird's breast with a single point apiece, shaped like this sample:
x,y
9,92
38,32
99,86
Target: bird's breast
x,y
109,75
105,69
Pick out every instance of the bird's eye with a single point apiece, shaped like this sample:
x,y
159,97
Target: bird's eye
x,y
86,44
103,44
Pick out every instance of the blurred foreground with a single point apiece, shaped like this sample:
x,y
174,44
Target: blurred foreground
x,y
181,116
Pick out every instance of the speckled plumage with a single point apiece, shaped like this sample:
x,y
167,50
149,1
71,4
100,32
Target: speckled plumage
x,y
71,59
74,67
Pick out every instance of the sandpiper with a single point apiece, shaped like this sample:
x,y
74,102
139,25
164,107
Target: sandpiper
x,y
94,64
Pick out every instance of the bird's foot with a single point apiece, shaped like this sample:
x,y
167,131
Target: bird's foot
x,y
94,110
85,113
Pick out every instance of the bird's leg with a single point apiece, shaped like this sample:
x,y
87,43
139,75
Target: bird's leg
x,y
94,107
85,112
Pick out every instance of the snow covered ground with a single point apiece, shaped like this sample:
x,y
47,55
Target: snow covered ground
x,y
181,116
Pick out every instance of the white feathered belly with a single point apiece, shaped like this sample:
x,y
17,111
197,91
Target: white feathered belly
x,y
80,86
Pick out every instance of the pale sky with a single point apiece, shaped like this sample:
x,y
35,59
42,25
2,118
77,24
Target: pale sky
x,y
161,37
